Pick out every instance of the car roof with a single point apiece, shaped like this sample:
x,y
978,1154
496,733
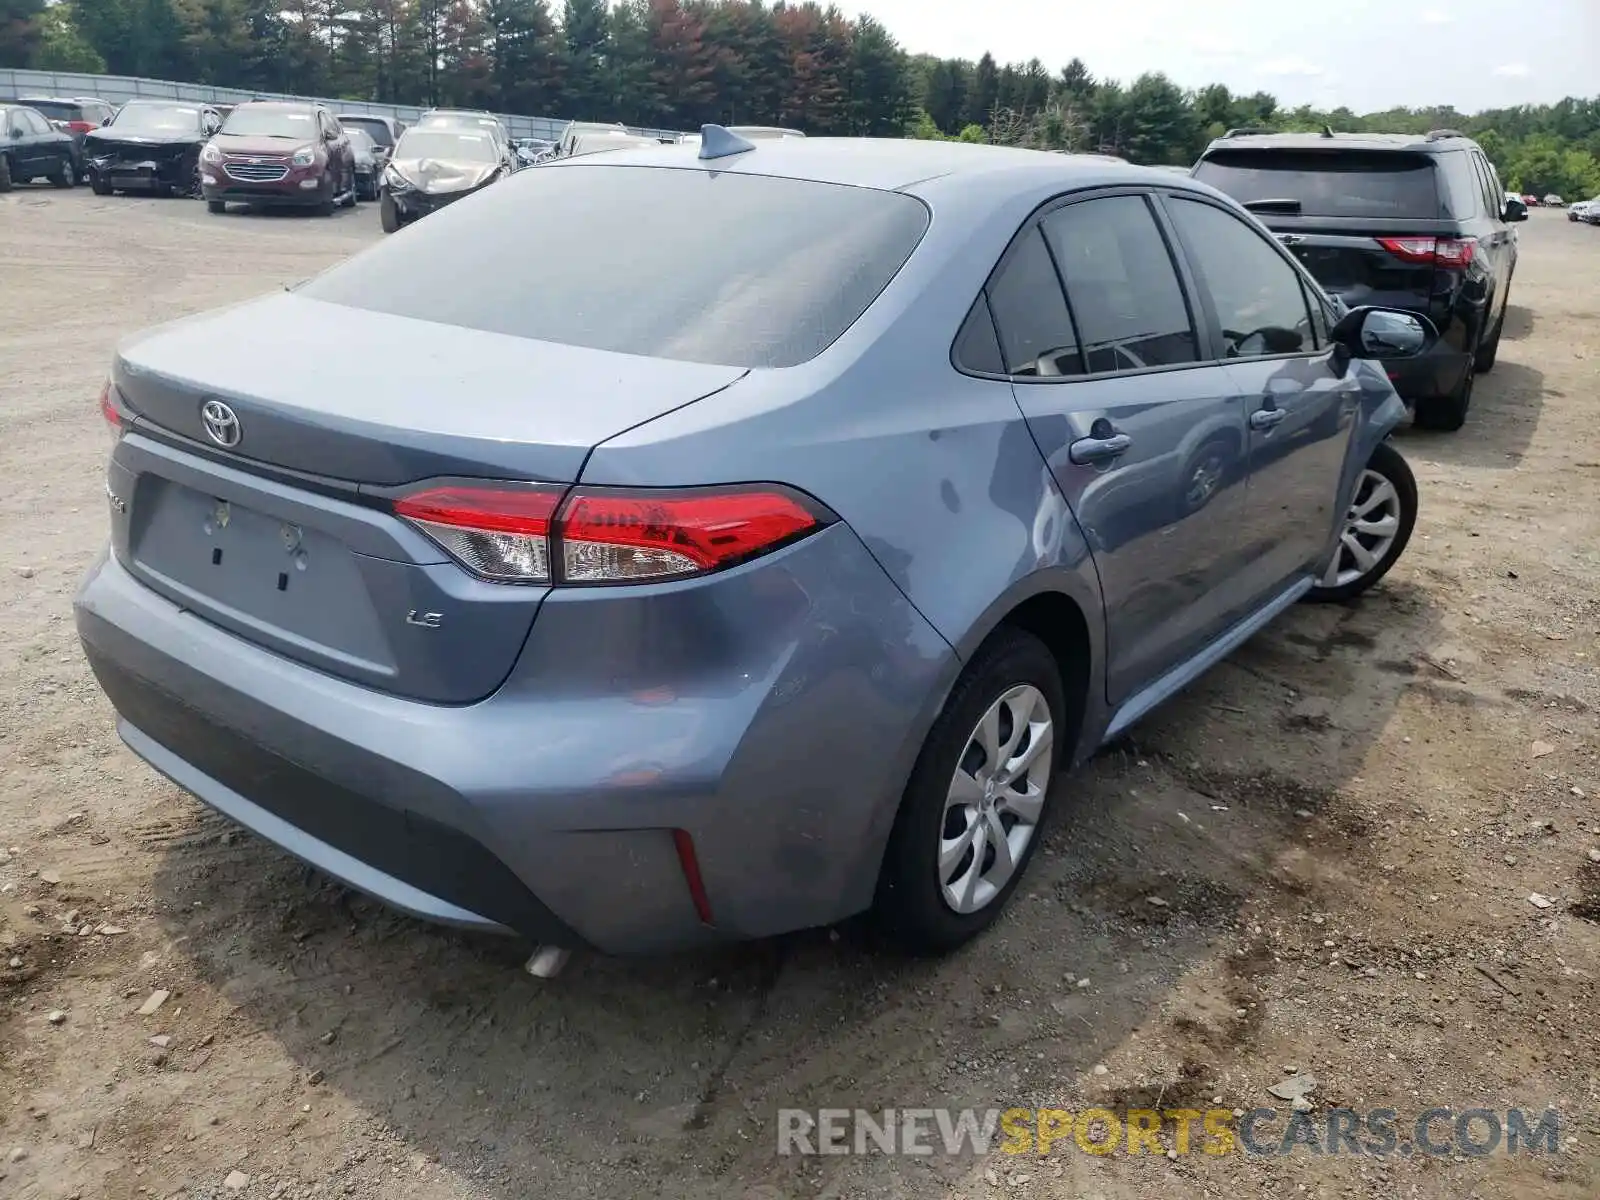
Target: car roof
x,y
893,164
287,105
1426,143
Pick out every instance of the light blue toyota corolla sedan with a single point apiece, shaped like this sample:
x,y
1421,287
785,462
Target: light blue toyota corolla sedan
x,y
728,542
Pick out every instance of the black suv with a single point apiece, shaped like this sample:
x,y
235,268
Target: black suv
x,y
1409,221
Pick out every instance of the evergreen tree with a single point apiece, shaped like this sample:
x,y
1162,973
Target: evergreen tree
x,y
983,93
584,90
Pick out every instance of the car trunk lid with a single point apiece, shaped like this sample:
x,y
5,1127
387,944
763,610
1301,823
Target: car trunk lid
x,y
287,537
377,399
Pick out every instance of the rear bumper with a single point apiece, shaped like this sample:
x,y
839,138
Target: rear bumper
x,y
1436,373
773,712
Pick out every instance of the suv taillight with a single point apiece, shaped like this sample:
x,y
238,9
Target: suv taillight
x,y
527,534
1428,251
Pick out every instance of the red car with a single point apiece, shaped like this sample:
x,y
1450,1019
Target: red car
x,y
272,153
1531,200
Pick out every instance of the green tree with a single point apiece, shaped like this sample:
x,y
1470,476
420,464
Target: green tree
x,y
60,47
584,91
983,93
633,97
526,58
944,93
20,31
880,102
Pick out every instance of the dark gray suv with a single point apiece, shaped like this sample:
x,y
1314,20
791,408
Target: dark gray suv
x,y
1411,221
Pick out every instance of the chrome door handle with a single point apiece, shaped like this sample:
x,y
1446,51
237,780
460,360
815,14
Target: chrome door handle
x,y
1266,418
1098,449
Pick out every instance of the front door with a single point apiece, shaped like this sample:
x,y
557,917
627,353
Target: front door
x,y
1145,439
1300,403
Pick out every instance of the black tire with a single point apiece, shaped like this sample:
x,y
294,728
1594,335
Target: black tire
x,y
350,195
1447,413
388,214
216,206
325,207
65,175
5,174
909,909
1389,463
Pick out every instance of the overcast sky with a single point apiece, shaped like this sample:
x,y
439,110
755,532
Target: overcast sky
x,y
1367,54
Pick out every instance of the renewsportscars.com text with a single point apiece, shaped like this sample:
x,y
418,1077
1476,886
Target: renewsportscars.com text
x,y
1378,1132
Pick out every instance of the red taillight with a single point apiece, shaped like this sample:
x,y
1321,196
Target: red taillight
x,y
108,408
1454,252
499,533
80,126
605,535
117,421
1443,252
610,536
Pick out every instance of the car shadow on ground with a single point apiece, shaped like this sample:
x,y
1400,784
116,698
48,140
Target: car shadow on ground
x,y
1500,424
675,1069
285,212
1519,323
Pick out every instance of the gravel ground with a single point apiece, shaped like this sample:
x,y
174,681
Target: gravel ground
x,y
1343,825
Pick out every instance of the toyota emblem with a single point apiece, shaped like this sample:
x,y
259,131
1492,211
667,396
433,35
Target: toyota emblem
x,y
221,422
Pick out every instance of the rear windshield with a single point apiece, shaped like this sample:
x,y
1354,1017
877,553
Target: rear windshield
x,y
1341,184
373,128
58,110
725,268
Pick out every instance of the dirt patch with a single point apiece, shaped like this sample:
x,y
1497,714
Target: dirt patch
x,y
1321,856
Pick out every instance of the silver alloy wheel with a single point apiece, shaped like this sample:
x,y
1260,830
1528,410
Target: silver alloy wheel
x,y
996,797
1370,526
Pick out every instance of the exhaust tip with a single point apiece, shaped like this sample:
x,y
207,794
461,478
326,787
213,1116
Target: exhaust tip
x,y
546,962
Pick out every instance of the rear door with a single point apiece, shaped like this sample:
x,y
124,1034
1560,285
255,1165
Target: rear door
x,y
1300,403
51,147
1144,437
1497,240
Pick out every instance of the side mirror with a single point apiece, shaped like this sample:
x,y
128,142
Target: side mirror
x,y
15,132
1516,210
1369,332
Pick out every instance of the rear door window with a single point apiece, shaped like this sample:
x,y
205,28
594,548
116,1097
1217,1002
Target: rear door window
x,y
1036,334
1122,285
57,110
1462,183
1343,183
701,266
976,347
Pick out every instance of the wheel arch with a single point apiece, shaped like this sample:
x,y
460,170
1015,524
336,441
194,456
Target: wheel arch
x,y
1061,607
